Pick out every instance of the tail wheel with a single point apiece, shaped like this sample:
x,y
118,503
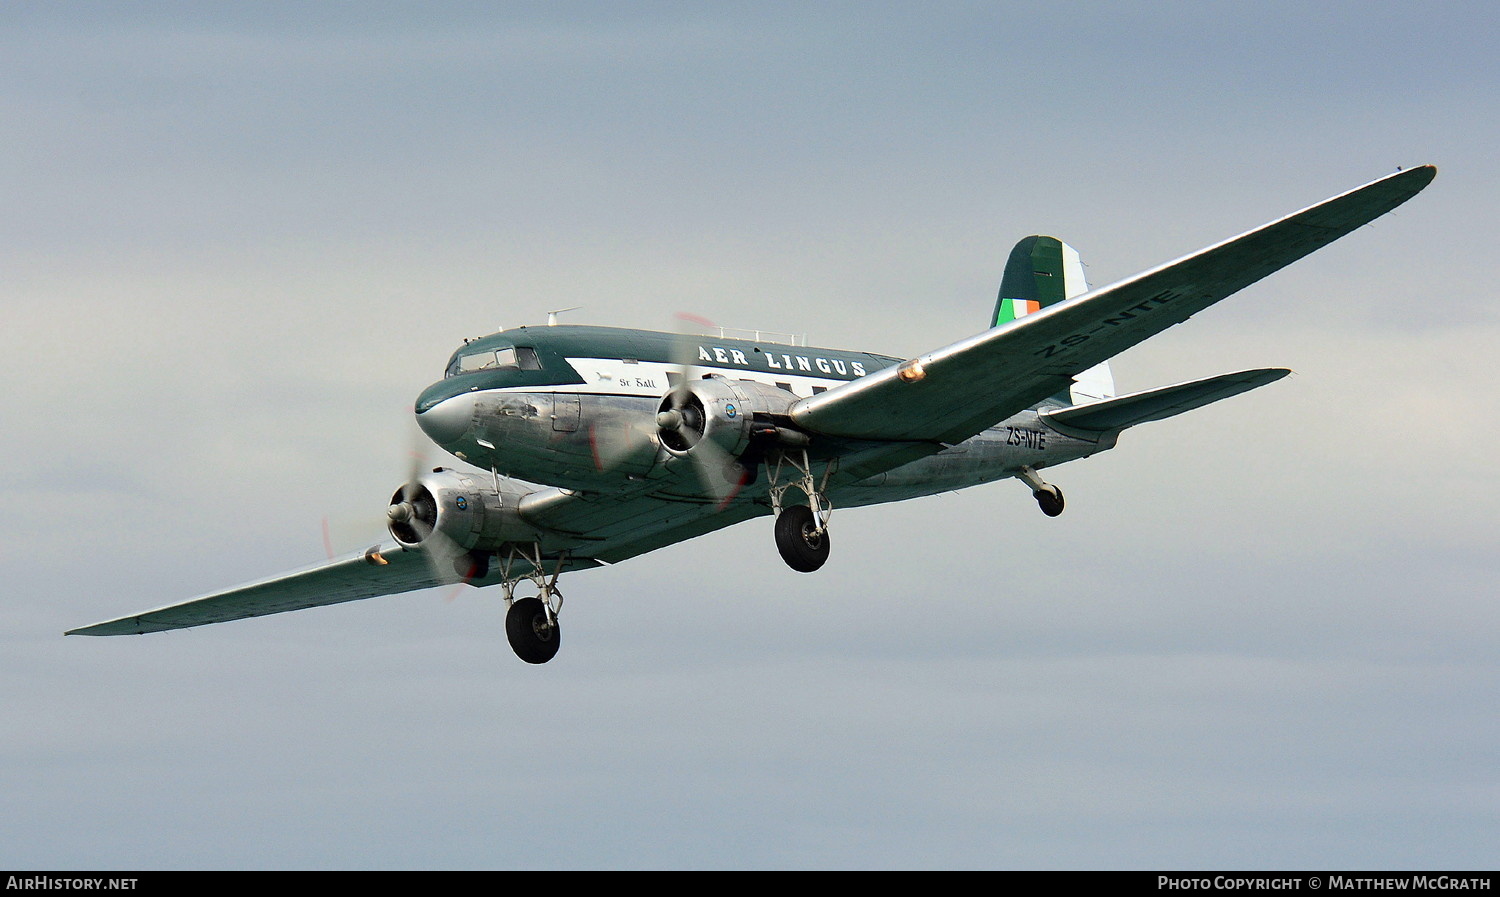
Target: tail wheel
x,y
533,633
1050,500
802,544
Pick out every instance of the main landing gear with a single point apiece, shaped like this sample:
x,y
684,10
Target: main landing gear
x,y
1048,497
531,623
802,543
801,530
531,626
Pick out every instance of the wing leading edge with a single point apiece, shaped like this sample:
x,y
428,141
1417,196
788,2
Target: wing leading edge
x,y
955,392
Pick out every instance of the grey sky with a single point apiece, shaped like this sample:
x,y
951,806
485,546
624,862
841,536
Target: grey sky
x,y
236,241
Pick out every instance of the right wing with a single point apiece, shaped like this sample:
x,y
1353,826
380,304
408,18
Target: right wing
x,y
951,394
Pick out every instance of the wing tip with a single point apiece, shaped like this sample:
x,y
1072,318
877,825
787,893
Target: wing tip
x,y
110,628
1428,172
135,625
1417,177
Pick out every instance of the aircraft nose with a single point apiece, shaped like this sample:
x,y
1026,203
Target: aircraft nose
x,y
448,421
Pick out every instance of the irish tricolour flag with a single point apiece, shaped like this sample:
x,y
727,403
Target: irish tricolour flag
x,y
1010,309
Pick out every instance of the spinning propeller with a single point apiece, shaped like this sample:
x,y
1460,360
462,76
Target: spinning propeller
x,y
682,419
412,518
624,441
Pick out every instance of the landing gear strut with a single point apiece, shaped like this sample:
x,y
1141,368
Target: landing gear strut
x,y
1048,497
531,623
801,530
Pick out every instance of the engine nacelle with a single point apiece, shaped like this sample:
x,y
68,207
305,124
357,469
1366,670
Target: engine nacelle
x,y
464,510
721,411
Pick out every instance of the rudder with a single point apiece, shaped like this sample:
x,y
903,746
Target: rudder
x,y
1043,271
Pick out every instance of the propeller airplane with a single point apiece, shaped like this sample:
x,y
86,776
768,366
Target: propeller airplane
x,y
584,446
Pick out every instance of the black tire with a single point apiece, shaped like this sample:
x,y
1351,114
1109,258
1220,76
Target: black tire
x,y
1050,502
802,547
531,635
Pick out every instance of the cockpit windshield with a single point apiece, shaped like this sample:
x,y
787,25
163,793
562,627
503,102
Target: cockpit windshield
x,y
522,358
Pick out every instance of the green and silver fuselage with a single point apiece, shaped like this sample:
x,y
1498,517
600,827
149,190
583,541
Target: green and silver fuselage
x,y
575,407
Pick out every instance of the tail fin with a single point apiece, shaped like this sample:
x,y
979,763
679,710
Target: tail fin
x,y
1042,271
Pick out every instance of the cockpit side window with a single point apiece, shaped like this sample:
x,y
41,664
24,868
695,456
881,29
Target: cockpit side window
x,y
516,358
482,361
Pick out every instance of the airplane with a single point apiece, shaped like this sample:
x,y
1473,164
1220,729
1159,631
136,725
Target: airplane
x,y
585,446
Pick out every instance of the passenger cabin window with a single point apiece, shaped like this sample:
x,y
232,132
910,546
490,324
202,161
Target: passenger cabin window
x,y
517,357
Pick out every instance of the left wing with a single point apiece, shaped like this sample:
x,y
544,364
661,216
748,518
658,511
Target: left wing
x,y
580,531
345,579
955,392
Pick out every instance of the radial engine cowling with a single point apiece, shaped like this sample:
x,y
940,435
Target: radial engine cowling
x,y
464,511
723,412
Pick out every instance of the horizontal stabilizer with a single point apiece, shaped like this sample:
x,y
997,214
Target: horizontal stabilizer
x,y
1156,404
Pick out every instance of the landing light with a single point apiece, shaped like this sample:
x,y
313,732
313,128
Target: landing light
x,y
911,371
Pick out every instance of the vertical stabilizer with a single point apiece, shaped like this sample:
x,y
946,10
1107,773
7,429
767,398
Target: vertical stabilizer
x,y
1042,271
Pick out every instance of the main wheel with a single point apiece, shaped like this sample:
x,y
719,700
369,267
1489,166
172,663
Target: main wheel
x,y
1051,501
533,636
797,538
